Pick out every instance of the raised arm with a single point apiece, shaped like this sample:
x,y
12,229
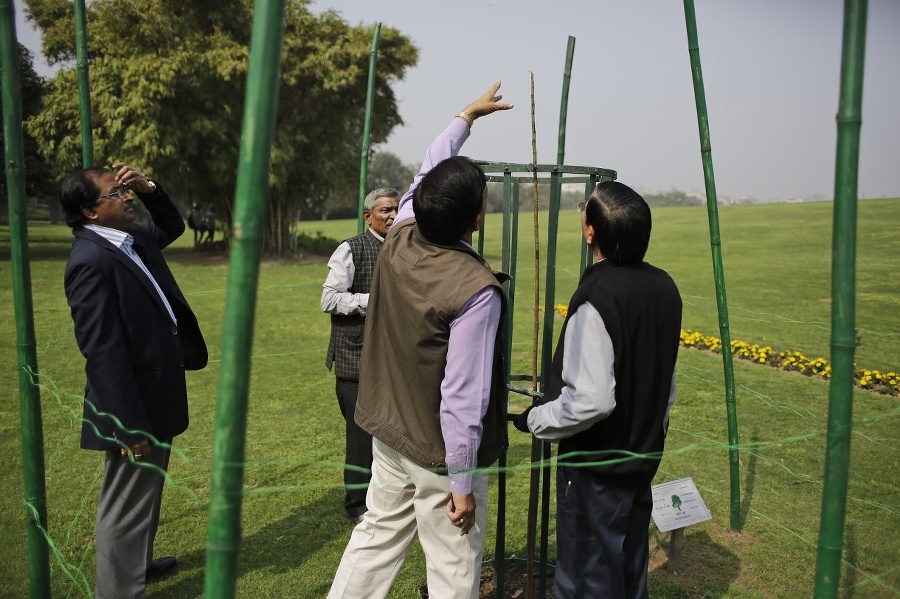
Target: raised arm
x,y
449,142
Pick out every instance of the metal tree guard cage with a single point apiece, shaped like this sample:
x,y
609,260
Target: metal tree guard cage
x,y
512,176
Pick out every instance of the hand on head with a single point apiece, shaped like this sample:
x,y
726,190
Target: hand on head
x,y
132,178
487,103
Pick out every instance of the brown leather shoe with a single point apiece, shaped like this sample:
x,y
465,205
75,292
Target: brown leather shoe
x,y
355,520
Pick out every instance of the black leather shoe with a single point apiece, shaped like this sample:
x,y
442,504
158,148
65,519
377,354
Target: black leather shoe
x,y
160,566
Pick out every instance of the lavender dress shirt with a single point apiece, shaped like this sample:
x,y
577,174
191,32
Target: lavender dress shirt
x,y
466,387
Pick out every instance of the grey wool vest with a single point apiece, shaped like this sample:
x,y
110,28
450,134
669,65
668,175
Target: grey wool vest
x,y
345,345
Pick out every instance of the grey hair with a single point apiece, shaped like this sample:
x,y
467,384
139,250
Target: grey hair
x,y
381,192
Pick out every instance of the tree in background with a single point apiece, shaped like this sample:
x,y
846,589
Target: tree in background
x,y
387,170
168,83
672,198
31,88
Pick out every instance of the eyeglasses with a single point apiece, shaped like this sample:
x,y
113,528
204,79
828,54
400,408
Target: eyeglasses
x,y
580,206
123,192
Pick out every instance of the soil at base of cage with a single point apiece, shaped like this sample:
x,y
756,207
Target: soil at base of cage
x,y
514,583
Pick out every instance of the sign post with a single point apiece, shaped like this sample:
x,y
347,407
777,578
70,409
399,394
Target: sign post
x,y
677,504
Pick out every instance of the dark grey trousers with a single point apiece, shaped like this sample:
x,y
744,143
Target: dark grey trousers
x,y
127,518
358,452
602,537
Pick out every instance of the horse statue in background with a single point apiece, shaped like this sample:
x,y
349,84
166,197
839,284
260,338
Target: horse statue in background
x,y
202,219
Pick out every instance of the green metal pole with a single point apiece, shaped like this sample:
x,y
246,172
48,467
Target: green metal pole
x,y
29,394
506,258
587,257
84,86
547,342
843,304
718,270
367,130
263,78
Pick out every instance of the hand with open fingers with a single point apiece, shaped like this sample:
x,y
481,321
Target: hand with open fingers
x,y
487,103
132,178
139,450
461,511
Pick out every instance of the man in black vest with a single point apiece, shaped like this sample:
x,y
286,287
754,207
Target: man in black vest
x,y
345,295
609,391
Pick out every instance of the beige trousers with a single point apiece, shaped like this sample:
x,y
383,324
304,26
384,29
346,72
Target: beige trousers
x,y
405,499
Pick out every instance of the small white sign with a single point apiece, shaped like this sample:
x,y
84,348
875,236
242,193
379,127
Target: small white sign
x,y
677,504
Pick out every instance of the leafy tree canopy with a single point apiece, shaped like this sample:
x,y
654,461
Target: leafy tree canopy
x,y
387,170
168,80
31,92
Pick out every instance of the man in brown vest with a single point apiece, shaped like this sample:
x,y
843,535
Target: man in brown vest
x,y
345,295
432,369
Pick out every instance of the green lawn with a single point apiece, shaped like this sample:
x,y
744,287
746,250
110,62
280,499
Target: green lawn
x,y
777,271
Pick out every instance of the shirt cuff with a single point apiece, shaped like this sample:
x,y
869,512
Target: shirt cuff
x,y
461,482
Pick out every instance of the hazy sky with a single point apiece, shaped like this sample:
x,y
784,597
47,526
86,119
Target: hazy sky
x,y
771,70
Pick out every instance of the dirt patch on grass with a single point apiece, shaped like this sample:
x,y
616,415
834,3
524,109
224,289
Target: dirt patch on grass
x,y
514,583
709,561
708,564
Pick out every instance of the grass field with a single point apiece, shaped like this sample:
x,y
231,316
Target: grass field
x,y
777,271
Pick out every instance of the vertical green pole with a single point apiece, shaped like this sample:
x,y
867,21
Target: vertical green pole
x,y
547,341
263,77
549,303
29,395
564,103
718,270
587,257
367,130
843,305
84,87
506,256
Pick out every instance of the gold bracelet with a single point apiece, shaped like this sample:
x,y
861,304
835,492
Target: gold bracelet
x,y
466,117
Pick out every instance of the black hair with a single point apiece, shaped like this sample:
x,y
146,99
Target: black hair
x,y
79,190
448,199
621,221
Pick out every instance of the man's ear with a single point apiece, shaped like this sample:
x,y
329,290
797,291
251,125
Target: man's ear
x,y
589,234
479,220
89,212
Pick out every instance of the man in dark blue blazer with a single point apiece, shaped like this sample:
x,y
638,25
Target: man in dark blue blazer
x,y
138,336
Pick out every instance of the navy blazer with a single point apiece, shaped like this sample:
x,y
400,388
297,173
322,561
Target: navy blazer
x,y
135,355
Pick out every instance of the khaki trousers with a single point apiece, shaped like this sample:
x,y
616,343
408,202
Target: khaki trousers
x,y
405,499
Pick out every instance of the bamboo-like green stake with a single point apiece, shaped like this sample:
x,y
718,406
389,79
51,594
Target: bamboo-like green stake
x,y
549,303
263,78
718,270
564,103
84,86
367,130
29,394
843,304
